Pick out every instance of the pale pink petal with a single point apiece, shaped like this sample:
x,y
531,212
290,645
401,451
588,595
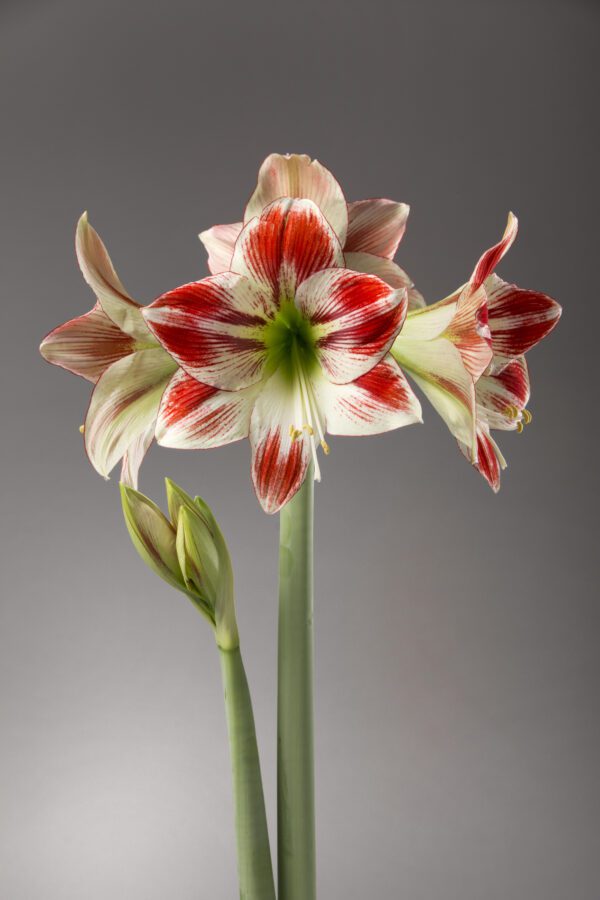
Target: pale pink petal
x,y
289,242
87,345
214,329
375,226
195,416
124,405
469,331
381,400
354,317
388,271
295,175
98,271
492,257
219,242
502,398
279,461
518,318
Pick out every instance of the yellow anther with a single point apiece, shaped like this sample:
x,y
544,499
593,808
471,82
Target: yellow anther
x,y
325,447
297,433
292,432
527,417
310,429
512,412
519,427
81,429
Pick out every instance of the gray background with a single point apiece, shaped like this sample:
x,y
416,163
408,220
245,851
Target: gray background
x,y
457,632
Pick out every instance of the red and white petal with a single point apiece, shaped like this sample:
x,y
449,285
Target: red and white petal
x,y
388,271
195,416
284,246
279,461
431,321
490,259
214,329
134,456
124,405
98,271
518,318
375,226
381,400
502,398
438,369
219,242
87,345
297,176
469,331
489,461
354,317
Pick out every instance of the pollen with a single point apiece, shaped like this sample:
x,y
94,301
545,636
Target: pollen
x,y
519,427
527,417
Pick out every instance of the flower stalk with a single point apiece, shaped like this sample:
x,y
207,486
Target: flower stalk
x,y
295,726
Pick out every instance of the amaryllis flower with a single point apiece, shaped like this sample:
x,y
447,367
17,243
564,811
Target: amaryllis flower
x,y
369,231
284,347
466,354
112,347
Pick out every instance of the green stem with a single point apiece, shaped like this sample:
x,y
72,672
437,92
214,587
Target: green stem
x,y
254,856
295,729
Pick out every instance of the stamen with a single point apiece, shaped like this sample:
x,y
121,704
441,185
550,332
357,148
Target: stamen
x,y
81,429
519,427
527,417
325,447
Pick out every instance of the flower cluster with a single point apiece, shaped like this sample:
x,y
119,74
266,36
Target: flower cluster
x,y
306,327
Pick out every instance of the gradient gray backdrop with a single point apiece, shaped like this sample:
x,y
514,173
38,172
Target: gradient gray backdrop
x,y
457,632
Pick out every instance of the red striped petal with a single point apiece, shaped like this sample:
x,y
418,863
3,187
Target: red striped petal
x,y
195,416
469,330
375,226
381,400
219,242
355,318
492,257
213,328
490,461
279,462
289,242
298,176
87,345
518,318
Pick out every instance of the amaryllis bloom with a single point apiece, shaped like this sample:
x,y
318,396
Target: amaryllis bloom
x,y
466,354
369,231
284,347
112,347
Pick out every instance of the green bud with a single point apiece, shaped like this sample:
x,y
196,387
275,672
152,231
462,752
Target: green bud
x,y
153,536
189,552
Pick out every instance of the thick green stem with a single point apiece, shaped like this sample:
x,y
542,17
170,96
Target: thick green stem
x,y
254,856
295,729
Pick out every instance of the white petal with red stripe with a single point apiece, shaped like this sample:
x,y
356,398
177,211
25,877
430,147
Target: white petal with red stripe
x,y
219,242
87,345
381,400
134,456
375,226
284,246
502,398
354,317
296,175
195,416
490,259
489,461
99,272
279,459
214,329
124,405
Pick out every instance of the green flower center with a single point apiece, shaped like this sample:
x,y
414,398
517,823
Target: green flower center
x,y
290,342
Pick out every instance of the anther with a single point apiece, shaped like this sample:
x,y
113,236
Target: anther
x,y
81,429
309,429
325,447
527,417
519,427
